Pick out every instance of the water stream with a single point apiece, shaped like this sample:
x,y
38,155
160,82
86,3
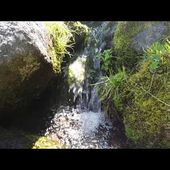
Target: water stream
x,y
85,125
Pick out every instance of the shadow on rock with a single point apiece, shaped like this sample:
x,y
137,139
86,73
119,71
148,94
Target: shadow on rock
x,y
23,128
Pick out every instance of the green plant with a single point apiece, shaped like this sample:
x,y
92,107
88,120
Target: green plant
x,y
155,54
80,33
61,37
106,60
110,88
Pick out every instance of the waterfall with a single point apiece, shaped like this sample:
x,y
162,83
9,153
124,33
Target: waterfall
x,y
85,125
100,38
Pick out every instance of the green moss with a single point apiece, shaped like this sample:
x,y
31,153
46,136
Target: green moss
x,y
78,27
147,99
47,143
144,122
80,32
61,37
142,97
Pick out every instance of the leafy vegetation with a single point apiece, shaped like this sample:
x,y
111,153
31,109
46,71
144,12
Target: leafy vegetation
x,y
110,88
106,60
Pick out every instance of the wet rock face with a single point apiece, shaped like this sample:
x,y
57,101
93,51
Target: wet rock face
x,y
147,37
81,129
25,67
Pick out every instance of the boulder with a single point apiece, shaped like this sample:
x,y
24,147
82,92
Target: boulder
x,y
132,38
147,37
25,63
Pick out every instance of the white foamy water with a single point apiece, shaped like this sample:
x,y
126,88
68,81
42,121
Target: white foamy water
x,y
91,121
81,129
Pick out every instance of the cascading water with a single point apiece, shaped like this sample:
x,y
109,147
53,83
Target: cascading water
x,y
100,39
85,126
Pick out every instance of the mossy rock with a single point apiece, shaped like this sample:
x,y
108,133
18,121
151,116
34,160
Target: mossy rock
x,y
146,100
80,34
30,55
132,38
47,143
18,139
